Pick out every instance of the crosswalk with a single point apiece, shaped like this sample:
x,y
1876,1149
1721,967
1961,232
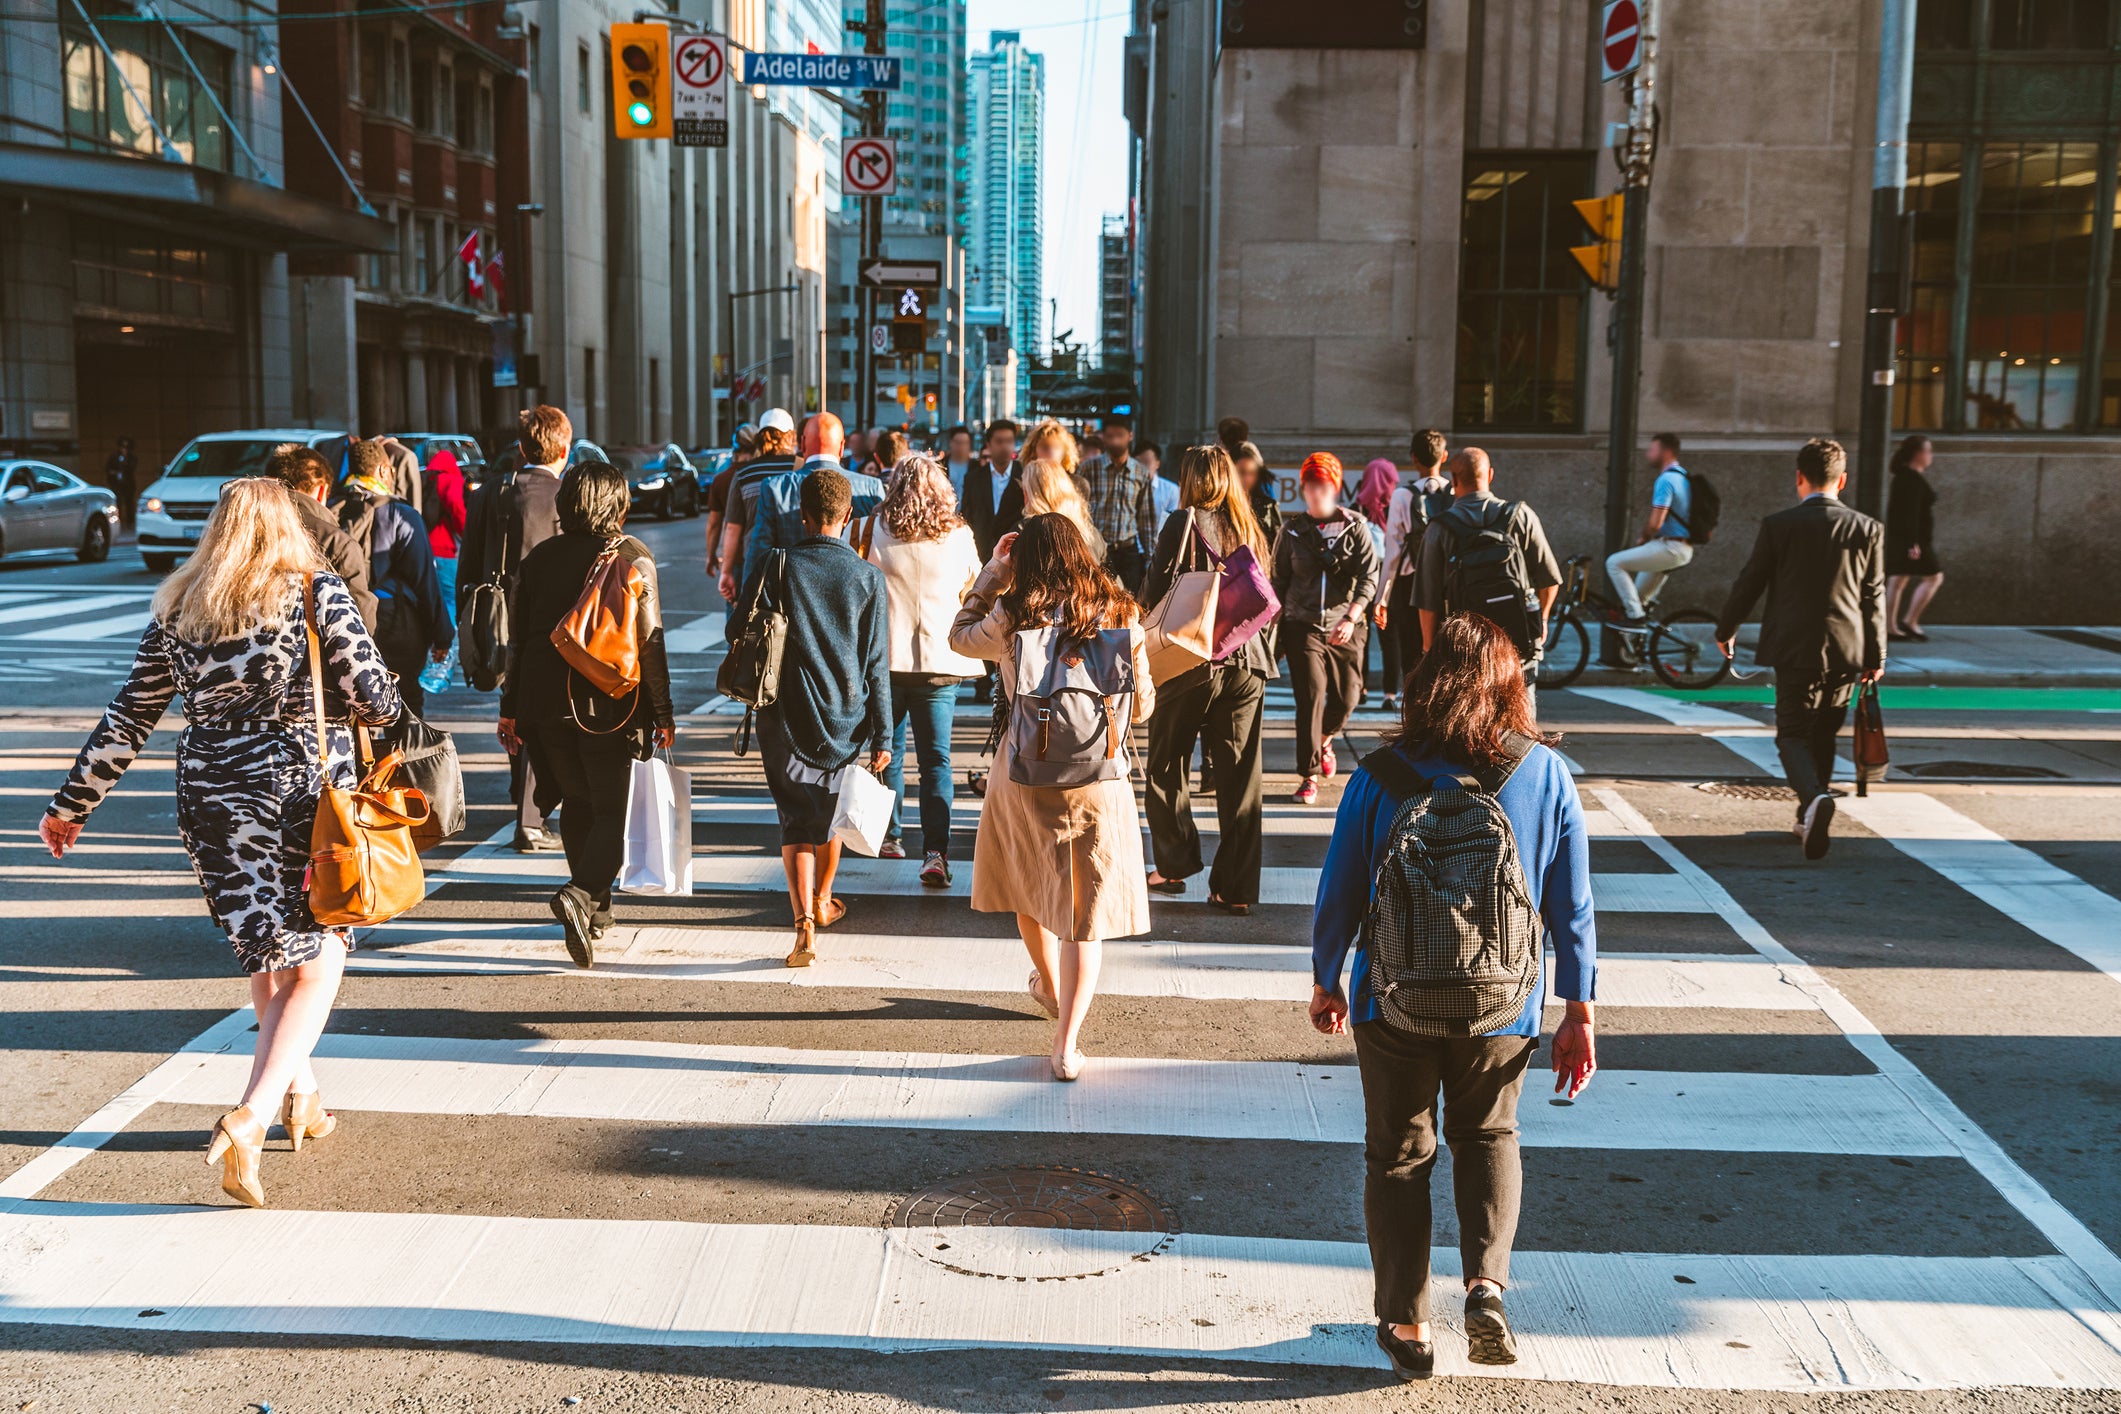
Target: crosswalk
x,y
907,1058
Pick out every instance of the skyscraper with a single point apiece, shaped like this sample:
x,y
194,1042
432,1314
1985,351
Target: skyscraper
x,y
1115,298
1008,100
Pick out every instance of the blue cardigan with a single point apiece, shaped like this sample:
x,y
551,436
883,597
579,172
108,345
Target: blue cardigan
x,y
1540,801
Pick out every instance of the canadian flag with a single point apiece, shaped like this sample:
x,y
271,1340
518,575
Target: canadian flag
x,y
474,269
497,276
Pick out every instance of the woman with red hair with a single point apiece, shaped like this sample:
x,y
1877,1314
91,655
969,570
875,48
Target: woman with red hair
x,y
1325,573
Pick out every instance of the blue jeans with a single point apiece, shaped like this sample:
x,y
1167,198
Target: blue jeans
x,y
930,705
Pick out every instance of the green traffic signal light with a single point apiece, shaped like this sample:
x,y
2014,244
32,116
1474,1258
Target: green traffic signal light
x,y
641,114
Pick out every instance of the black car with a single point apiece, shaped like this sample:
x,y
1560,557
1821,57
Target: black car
x,y
663,480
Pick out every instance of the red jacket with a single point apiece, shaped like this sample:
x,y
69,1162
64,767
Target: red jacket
x,y
445,505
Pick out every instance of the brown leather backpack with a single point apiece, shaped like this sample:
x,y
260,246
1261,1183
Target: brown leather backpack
x,y
600,636
364,865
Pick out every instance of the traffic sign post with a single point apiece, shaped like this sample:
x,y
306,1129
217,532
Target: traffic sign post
x,y
699,91
880,338
869,166
876,71
886,273
1620,39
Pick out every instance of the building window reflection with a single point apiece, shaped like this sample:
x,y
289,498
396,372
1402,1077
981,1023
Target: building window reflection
x,y
102,115
1521,298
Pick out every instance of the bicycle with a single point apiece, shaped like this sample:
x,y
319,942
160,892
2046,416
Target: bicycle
x,y
1680,647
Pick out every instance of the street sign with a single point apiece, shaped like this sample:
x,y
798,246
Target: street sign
x,y
1620,38
823,70
869,166
880,338
882,272
699,91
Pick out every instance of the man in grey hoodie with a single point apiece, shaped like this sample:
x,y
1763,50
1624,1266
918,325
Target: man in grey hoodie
x,y
1421,494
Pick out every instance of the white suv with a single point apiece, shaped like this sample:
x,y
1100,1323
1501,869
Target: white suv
x,y
173,509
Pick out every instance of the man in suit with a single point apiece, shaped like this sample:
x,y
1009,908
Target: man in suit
x,y
1823,567
992,502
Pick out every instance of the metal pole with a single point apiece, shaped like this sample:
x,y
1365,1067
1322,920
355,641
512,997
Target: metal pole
x,y
873,32
1636,159
1896,74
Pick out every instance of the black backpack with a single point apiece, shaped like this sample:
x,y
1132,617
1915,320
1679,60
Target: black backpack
x,y
1705,507
1486,573
482,621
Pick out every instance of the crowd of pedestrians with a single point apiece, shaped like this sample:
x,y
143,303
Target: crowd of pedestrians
x,y
1085,597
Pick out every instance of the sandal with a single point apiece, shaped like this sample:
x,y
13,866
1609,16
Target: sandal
x,y
1239,909
836,910
1047,1002
805,950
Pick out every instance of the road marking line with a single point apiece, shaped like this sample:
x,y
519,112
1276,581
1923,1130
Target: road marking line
x,y
65,608
701,635
1675,710
2021,1190
132,622
1798,1323
674,1082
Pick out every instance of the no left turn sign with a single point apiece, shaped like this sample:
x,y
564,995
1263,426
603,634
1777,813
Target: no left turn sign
x,y
699,91
869,166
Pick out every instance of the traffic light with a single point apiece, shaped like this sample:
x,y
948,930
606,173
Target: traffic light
x,y
640,80
909,335
1601,261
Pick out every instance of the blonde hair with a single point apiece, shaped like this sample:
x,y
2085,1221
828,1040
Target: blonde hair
x,y
235,583
1050,489
918,502
1207,480
1051,430
545,435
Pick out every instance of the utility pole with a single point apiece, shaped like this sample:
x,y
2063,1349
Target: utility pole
x,y
873,30
1635,159
1896,76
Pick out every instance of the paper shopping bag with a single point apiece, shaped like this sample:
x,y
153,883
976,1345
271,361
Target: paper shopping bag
x,y
658,858
863,813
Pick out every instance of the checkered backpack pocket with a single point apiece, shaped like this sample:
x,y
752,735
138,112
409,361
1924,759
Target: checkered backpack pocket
x,y
1455,938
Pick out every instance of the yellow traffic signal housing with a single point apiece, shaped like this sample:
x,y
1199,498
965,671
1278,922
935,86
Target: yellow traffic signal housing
x,y
640,80
1601,261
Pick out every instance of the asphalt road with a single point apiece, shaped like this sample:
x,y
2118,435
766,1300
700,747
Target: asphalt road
x,y
1853,1145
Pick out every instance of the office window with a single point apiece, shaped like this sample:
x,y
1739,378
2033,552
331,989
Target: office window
x,y
371,66
2050,24
101,115
400,97
581,74
531,49
402,275
425,265
1923,341
423,95
1522,302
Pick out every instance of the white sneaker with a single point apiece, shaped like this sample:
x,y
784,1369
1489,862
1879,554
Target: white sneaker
x,y
1818,819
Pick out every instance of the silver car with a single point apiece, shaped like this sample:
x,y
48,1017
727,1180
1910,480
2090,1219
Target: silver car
x,y
44,507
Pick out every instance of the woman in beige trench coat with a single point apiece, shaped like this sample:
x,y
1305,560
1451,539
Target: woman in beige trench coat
x,y
1066,860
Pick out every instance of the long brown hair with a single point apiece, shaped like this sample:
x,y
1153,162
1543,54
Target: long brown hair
x,y
1207,480
1056,574
1467,697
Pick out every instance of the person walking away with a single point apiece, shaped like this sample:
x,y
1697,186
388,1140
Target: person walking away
x,y
1487,556
1325,574
886,450
1064,857
1913,574
1122,497
120,473
993,505
776,456
412,627
1423,494
744,447
1163,490
405,480
504,522
1822,566
308,479
584,742
1500,819
925,550
1218,705
1666,544
1373,497
834,702
230,633
957,457
777,512
444,497
1050,489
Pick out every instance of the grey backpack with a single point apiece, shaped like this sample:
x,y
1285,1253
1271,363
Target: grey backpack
x,y
1456,940
1071,703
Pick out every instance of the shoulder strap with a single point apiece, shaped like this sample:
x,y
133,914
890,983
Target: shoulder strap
x,y
1392,770
316,662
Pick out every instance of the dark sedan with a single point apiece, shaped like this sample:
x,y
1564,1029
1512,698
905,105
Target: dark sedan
x,y
663,480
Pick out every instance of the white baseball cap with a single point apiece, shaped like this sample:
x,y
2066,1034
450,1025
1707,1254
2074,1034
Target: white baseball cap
x,y
778,420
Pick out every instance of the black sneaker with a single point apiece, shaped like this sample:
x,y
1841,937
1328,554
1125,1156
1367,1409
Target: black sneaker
x,y
572,907
599,924
1411,1359
1818,820
1488,1338
935,872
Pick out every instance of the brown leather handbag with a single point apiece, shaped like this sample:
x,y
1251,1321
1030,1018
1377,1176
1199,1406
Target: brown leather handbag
x,y
364,864
1872,755
600,636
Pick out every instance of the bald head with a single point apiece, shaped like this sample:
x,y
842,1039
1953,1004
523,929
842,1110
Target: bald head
x,y
1469,470
824,436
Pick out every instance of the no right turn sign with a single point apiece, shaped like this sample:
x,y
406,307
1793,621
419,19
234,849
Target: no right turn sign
x,y
869,166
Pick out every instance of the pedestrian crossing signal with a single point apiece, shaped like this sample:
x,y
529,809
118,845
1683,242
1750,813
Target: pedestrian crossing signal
x,y
1601,261
640,80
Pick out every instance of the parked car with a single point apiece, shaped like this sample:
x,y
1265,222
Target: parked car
x,y
470,459
174,507
712,462
44,507
663,480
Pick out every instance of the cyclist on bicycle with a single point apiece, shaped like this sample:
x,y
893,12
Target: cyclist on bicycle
x,y
1639,572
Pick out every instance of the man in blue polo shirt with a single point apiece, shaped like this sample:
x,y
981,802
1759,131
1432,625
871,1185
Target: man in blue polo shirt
x,y
1638,572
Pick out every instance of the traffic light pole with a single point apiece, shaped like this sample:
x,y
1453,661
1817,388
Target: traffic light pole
x,y
873,31
1896,56
1627,306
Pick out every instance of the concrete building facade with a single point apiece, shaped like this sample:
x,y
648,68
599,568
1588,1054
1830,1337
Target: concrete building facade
x,y
1361,242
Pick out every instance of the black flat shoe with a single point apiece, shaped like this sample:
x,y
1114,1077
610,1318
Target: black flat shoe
x,y
1173,887
1488,1338
1239,909
1411,1359
1917,634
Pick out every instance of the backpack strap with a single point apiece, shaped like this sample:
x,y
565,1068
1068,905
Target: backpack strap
x,y
1391,768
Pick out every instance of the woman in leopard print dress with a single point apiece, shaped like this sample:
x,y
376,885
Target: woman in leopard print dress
x,y
229,635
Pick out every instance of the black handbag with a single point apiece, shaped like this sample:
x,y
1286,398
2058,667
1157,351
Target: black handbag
x,y
428,763
751,670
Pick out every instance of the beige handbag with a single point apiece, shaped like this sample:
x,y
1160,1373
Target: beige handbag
x,y
1181,628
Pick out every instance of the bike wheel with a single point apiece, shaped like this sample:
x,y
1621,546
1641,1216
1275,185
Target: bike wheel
x,y
1682,650
1568,652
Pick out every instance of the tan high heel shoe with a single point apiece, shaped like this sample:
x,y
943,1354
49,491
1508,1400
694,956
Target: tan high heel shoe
x,y
304,1117
805,951
238,1144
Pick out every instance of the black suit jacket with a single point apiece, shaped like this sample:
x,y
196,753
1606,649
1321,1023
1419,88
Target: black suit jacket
x,y
990,522
1822,565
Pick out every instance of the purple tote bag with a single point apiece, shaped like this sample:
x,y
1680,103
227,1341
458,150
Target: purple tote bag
x,y
1246,602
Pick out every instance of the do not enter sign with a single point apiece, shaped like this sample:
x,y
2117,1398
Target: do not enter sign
x,y
1620,38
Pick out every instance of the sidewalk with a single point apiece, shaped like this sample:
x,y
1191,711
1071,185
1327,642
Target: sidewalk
x,y
1970,656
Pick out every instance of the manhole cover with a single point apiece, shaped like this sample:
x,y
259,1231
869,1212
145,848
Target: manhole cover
x,y
1747,790
1993,770
1035,1223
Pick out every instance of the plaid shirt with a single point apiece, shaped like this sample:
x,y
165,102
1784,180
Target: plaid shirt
x,y
1122,500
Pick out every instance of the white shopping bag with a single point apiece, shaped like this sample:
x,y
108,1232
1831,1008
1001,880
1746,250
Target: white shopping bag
x,y
658,856
863,814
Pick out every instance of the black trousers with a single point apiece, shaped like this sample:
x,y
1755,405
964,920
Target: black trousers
x,y
1480,1079
1403,628
1127,564
1327,679
1219,706
593,774
1808,718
